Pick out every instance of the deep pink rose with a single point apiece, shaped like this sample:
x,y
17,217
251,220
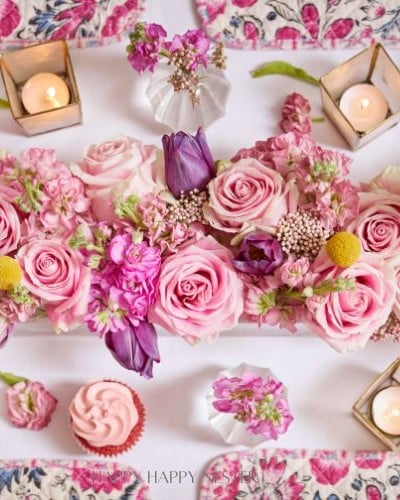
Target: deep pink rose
x,y
249,195
200,293
118,168
378,223
10,230
30,405
55,273
347,319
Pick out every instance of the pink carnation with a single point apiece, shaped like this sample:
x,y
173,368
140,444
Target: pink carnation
x,y
296,114
30,405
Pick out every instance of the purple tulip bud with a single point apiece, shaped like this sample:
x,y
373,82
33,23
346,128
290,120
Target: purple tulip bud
x,y
135,348
259,254
188,162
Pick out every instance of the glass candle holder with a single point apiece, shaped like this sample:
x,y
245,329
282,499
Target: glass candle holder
x,y
362,95
51,61
379,407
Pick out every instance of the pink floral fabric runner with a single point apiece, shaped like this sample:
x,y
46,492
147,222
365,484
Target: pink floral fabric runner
x,y
82,22
302,474
70,479
286,24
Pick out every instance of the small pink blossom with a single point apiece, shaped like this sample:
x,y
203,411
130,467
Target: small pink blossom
x,y
296,272
296,114
30,405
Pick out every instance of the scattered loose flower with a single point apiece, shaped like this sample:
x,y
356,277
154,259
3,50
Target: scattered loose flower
x,y
29,404
296,114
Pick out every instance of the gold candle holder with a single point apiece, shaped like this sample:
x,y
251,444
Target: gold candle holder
x,y
20,65
362,408
371,66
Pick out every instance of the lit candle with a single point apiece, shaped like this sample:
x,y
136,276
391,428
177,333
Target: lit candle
x,y
364,105
385,410
44,91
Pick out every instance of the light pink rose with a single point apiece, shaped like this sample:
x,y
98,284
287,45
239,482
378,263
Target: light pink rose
x,y
378,224
55,273
200,293
388,180
10,230
347,319
118,168
30,405
249,195
394,263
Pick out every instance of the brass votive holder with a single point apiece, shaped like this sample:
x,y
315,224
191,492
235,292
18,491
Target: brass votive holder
x,y
17,66
362,408
372,66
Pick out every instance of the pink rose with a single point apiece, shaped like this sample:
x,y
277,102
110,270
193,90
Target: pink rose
x,y
200,293
118,168
347,319
55,273
10,230
388,180
394,263
378,223
249,195
30,405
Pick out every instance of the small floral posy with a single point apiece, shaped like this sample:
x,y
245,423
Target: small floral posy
x,y
29,404
148,45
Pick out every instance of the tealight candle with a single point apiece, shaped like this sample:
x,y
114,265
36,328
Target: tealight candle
x,y
364,105
385,409
43,92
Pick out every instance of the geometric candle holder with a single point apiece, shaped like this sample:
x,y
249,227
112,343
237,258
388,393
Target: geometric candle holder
x,y
362,408
373,66
17,66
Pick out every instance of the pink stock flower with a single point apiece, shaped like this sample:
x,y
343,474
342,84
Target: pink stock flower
x,y
378,224
118,168
296,272
194,40
296,114
347,319
146,43
259,403
200,294
10,230
55,273
248,195
30,405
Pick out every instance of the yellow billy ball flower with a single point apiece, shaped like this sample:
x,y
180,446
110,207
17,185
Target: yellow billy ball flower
x,y
10,272
344,249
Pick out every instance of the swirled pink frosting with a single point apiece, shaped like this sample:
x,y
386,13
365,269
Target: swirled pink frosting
x,y
103,413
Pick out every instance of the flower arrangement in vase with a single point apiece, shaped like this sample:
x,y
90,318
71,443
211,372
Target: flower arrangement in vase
x,y
188,88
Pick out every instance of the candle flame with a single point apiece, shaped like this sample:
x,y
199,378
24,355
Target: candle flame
x,y
51,97
364,103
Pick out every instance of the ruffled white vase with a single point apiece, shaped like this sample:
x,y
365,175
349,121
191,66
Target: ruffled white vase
x,y
176,108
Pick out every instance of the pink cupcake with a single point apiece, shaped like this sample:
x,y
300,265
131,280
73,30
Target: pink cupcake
x,y
107,417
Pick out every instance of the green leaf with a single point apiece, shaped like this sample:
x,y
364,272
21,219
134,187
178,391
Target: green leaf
x,y
283,68
11,379
4,104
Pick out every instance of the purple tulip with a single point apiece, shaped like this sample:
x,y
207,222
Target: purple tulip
x,y
135,348
188,162
259,254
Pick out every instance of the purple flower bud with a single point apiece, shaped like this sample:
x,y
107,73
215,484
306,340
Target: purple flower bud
x,y
188,162
135,348
259,254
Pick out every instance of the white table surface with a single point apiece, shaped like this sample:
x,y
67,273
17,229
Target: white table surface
x,y
322,384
